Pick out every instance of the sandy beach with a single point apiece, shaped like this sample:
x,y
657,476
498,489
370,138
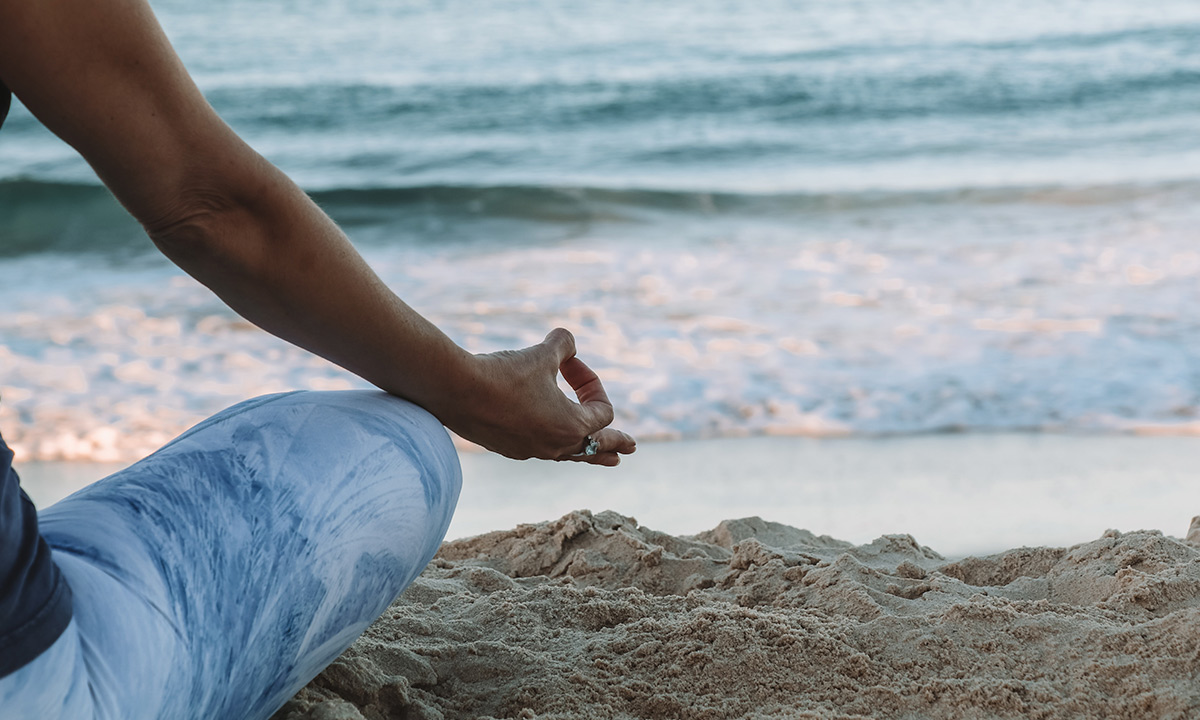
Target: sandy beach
x,y
895,604
596,616
909,613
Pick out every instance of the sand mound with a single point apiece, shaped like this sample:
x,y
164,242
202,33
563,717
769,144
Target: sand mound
x,y
592,616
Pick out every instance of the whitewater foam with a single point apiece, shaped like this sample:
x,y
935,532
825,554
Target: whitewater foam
x,y
1047,316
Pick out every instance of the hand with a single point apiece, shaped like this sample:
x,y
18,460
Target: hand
x,y
513,406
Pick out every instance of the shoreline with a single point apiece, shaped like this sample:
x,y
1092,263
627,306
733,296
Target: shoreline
x,y
963,494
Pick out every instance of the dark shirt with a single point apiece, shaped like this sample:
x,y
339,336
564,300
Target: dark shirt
x,y
35,600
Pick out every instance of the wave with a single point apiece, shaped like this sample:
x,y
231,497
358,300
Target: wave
x,y
75,218
850,82
783,100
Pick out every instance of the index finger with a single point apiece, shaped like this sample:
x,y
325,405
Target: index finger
x,y
586,384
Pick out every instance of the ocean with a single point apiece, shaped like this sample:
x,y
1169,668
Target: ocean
x,y
848,218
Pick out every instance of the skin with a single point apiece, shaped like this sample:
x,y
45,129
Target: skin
x,y
102,75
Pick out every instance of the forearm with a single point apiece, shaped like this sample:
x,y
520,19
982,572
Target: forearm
x,y
262,245
102,75
269,252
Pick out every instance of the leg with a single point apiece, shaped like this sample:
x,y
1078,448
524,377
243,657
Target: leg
x,y
219,575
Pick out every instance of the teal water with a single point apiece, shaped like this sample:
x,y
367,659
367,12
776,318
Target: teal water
x,y
706,96
852,217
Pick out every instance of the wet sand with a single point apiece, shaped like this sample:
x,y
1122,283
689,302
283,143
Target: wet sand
x,y
962,494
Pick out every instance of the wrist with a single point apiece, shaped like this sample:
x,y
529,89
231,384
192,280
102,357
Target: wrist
x,y
451,380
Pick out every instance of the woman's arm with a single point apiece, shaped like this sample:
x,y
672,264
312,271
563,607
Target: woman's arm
x,y
102,75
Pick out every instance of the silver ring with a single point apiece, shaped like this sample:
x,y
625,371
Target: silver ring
x,y
590,447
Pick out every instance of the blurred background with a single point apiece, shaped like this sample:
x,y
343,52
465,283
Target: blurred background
x,y
860,266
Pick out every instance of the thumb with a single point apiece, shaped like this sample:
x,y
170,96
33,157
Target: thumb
x,y
561,344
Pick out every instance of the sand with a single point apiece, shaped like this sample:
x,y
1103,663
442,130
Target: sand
x,y
594,616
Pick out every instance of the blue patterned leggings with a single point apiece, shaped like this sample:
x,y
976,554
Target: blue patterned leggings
x,y
218,576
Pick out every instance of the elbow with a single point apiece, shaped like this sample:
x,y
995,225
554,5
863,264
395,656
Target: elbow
x,y
223,224
202,232
190,222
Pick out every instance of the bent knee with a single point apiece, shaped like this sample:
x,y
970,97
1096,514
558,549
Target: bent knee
x,y
373,415
324,434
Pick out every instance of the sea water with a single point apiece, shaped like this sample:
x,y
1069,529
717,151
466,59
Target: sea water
x,y
851,217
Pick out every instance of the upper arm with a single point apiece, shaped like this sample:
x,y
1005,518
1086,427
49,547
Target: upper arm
x,y
102,75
